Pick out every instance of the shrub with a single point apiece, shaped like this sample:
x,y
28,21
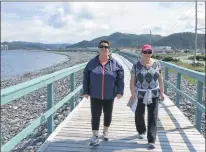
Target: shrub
x,y
198,57
170,59
198,64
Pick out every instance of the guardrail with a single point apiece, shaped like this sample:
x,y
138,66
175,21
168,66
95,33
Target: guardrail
x,y
198,76
14,92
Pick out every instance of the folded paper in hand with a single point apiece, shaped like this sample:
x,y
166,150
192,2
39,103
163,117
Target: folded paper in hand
x,y
132,104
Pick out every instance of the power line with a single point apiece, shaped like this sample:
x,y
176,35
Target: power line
x,y
173,29
190,6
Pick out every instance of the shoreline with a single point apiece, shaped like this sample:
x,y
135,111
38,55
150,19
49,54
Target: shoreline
x,y
31,75
26,74
18,114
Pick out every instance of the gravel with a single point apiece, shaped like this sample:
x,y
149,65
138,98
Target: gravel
x,y
186,106
18,114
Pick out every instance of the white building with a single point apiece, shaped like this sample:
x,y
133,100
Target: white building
x,y
162,49
4,47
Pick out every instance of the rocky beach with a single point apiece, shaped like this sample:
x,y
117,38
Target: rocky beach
x,y
18,114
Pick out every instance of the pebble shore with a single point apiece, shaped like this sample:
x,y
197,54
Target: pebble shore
x,y
18,114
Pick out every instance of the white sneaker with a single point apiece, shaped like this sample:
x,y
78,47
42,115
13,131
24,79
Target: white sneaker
x,y
151,145
141,136
94,141
105,136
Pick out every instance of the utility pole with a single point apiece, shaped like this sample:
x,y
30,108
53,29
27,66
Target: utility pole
x,y
195,33
150,38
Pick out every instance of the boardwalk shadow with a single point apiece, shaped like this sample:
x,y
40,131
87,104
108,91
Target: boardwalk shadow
x,y
179,129
81,145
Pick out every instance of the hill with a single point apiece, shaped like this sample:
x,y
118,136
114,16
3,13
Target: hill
x,y
120,39
176,41
32,45
182,40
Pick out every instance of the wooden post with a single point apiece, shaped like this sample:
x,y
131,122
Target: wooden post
x,y
49,106
166,78
72,78
178,84
198,115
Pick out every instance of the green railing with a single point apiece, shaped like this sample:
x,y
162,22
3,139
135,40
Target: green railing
x,y
198,76
14,92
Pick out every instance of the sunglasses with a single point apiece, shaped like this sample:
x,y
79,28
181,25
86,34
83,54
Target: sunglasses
x,y
103,46
147,52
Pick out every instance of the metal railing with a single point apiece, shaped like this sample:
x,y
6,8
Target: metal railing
x,y
15,92
198,76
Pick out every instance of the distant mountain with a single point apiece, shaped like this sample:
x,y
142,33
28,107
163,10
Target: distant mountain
x,y
182,40
176,41
32,45
119,39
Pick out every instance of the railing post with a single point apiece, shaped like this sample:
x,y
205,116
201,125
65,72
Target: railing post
x,y
72,78
178,84
166,78
198,115
49,106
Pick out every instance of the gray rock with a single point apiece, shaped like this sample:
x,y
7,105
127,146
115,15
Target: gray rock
x,y
20,113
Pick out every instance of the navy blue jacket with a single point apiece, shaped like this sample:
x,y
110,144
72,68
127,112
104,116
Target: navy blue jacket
x,y
103,82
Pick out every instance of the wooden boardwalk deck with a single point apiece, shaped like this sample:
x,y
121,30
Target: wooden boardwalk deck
x,y
175,132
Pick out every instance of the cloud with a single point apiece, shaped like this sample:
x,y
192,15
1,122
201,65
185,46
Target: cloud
x,y
72,22
58,19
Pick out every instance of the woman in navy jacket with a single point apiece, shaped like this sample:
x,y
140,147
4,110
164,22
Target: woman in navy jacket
x,y
103,81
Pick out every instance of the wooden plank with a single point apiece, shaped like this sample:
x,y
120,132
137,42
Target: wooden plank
x,y
104,146
175,132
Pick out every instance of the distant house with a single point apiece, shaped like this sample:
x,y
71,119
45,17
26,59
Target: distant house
x,y
93,49
4,47
162,49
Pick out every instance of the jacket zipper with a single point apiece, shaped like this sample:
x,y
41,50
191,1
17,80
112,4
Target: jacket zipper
x,y
103,83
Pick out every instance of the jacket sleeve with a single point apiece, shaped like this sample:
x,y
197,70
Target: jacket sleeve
x,y
120,80
86,80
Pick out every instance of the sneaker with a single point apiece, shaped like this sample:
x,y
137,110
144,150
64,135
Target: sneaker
x,y
105,135
141,136
151,145
94,141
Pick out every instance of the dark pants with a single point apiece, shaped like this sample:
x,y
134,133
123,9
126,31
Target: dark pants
x,y
96,110
152,119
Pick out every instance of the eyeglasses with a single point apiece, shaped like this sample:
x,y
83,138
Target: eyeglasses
x,y
103,46
147,52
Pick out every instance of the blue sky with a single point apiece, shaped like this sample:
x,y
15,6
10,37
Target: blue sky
x,y
71,22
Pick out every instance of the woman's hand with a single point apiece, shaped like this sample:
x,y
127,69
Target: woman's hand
x,y
162,96
86,96
119,96
133,96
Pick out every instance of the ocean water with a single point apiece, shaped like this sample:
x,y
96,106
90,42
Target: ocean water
x,y
18,62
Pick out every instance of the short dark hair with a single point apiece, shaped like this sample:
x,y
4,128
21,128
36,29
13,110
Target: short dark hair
x,y
103,41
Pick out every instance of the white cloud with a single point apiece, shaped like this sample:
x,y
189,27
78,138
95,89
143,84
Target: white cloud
x,y
76,21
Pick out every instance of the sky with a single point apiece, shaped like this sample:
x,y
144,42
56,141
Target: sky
x,y
72,22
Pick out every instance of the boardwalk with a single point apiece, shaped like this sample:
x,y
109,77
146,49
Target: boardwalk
x,y
175,132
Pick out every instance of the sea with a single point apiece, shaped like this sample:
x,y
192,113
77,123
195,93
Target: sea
x,y
18,62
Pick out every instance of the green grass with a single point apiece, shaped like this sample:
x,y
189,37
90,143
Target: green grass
x,y
173,54
188,66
